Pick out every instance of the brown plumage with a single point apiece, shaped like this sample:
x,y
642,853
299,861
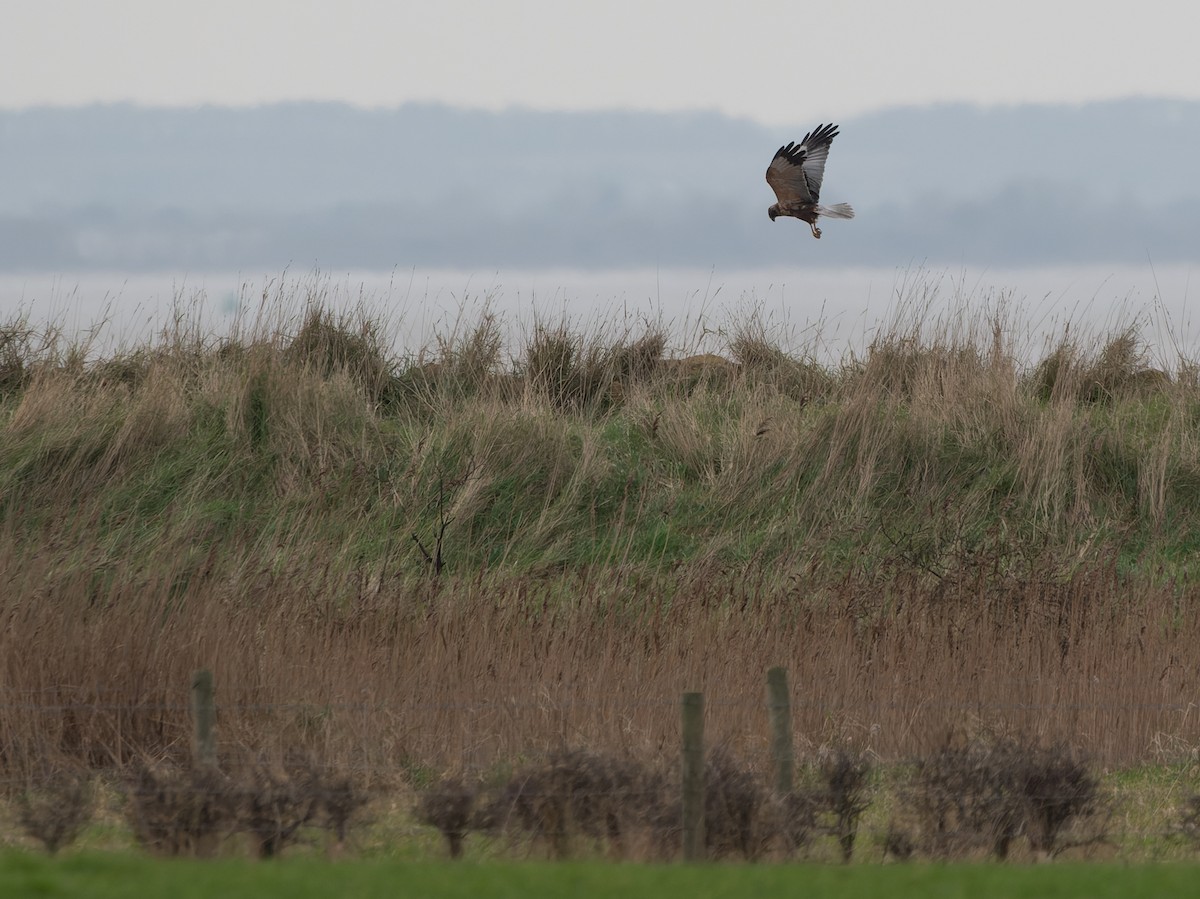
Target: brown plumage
x,y
795,175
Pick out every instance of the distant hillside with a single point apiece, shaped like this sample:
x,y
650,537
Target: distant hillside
x,y
212,188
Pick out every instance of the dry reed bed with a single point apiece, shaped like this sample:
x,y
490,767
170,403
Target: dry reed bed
x,y
470,675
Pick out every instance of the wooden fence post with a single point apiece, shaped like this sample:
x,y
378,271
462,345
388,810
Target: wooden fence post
x,y
204,716
693,777
779,707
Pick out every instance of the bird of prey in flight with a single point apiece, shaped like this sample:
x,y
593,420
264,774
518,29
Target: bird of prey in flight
x,y
795,175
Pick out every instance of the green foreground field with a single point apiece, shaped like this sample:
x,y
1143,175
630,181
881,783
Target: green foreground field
x,y
103,876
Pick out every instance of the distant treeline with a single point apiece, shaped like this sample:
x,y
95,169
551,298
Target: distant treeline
x,y
137,188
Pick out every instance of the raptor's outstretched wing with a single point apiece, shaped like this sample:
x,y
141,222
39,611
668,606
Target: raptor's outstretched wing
x,y
796,171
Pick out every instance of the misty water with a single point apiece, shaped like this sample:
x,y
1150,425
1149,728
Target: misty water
x,y
825,313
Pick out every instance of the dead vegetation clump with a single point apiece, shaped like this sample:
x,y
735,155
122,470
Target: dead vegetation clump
x,y
553,369
471,360
763,363
1119,368
566,371
449,806
1187,824
983,794
274,803
328,344
56,808
341,799
1059,794
596,795
462,366
735,802
639,360
14,353
965,797
186,809
845,795
706,372
179,809
576,799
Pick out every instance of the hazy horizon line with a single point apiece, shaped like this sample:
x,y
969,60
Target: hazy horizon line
x,y
522,108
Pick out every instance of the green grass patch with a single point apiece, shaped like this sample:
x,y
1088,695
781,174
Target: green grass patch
x,y
120,875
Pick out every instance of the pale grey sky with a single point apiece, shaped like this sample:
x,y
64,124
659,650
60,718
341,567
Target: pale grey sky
x,y
778,62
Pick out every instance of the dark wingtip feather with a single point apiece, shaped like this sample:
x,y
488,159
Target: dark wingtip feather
x,y
797,152
794,153
822,134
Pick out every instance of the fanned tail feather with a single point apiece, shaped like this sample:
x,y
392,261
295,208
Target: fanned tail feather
x,y
837,211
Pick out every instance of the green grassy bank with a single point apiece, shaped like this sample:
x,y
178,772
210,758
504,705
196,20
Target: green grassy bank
x,y
106,876
306,451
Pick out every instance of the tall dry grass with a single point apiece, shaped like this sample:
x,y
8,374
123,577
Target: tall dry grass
x,y
471,674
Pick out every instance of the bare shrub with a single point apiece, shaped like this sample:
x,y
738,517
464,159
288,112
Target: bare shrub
x,y
796,819
340,800
654,809
989,792
1057,790
609,799
449,805
174,810
966,796
56,809
1188,824
572,791
734,801
275,803
741,817
845,795
898,843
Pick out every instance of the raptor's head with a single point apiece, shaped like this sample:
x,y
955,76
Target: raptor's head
x,y
773,211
